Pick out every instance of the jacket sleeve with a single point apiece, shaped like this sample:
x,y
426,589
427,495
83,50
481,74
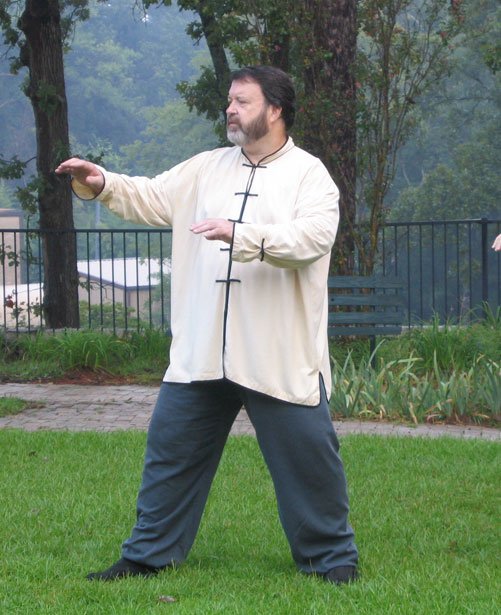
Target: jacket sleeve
x,y
301,241
149,201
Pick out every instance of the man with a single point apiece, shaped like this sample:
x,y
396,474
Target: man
x,y
253,227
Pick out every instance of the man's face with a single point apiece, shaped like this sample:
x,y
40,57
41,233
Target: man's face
x,y
247,113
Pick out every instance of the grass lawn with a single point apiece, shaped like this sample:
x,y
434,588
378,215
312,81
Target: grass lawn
x,y
426,514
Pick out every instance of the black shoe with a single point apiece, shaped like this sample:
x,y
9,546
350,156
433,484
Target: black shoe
x,y
123,568
341,575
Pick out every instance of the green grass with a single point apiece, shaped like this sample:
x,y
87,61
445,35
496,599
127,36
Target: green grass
x,y
425,513
11,405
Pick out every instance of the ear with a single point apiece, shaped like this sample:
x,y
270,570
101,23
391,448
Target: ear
x,y
274,113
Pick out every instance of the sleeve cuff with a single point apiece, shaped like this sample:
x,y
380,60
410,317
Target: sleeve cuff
x,y
84,192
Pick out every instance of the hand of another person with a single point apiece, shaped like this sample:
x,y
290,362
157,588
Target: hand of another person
x,y
214,229
497,243
85,172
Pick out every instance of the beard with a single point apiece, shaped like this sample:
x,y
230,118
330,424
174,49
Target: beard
x,y
243,135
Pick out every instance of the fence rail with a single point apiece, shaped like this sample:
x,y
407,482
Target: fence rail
x,y
447,268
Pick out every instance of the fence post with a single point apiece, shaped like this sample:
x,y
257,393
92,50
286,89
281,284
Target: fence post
x,y
485,261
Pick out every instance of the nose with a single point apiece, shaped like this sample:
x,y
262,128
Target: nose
x,y
230,108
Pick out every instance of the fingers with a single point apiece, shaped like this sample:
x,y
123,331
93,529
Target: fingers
x,y
214,229
73,166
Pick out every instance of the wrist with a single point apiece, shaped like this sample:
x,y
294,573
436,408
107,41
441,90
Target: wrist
x,y
90,190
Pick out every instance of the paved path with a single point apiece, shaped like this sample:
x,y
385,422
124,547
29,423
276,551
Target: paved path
x,y
110,408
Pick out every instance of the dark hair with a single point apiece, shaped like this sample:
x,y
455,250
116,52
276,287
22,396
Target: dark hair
x,y
276,85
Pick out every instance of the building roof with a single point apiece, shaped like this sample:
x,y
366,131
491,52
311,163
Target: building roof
x,y
125,272
10,213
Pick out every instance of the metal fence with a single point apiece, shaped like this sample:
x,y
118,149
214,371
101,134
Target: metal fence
x,y
124,278
448,269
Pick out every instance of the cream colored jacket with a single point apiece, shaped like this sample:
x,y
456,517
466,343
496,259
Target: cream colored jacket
x,y
254,312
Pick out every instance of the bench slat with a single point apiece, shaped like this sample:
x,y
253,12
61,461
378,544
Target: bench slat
x,y
360,281
360,318
373,299
389,330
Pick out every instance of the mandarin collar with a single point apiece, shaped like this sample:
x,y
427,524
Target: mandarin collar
x,y
287,146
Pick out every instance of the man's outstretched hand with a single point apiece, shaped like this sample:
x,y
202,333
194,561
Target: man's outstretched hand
x,y
85,172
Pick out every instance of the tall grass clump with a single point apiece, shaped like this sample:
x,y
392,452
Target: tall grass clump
x,y
91,349
400,390
449,372
149,344
45,354
449,346
76,349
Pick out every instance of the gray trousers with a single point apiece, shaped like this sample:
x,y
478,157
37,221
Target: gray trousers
x,y
186,437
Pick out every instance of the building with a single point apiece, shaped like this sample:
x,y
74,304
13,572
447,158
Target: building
x,y
10,221
139,286
127,281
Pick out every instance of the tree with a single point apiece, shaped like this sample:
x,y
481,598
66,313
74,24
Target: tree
x,y
328,101
404,48
355,114
466,187
39,36
161,146
457,141
42,54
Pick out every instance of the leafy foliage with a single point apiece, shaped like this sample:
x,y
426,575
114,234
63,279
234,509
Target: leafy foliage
x,y
457,132
404,49
401,389
122,67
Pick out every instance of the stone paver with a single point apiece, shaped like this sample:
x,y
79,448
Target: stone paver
x,y
113,408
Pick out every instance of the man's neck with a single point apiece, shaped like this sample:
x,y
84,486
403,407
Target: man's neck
x,y
258,150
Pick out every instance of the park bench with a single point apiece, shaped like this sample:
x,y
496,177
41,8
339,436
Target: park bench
x,y
365,306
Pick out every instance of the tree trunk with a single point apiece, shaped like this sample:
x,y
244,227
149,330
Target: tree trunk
x,y
329,108
42,53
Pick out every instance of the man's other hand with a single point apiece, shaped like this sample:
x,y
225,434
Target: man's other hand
x,y
214,228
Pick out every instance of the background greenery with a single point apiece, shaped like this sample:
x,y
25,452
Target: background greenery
x,y
121,74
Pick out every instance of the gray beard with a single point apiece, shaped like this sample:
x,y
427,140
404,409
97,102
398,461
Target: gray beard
x,y
253,132
237,137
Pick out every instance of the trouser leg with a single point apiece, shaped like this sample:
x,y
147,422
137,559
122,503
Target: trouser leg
x,y
186,437
300,447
